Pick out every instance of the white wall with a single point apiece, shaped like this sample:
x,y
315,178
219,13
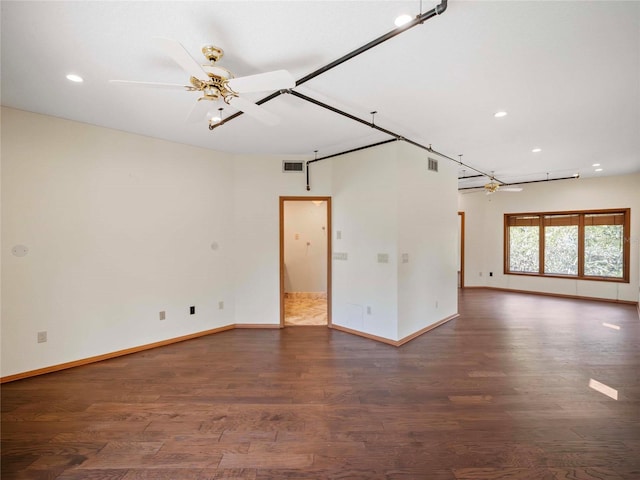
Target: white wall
x,y
365,206
119,227
305,246
428,234
484,232
385,201
259,183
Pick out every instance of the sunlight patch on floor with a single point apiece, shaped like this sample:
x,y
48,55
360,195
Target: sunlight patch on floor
x,y
611,325
604,389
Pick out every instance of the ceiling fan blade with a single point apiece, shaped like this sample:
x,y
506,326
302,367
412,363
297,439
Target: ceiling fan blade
x,y
180,55
254,110
199,111
276,80
131,83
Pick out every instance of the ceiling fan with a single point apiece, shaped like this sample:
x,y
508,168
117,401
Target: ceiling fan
x,y
493,187
217,83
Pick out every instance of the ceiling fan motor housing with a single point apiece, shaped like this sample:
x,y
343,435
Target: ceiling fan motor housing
x,y
491,187
214,88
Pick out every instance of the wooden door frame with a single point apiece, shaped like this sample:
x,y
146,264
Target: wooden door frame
x,y
461,215
328,233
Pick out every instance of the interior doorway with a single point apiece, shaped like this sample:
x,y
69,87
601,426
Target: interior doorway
x,y
460,249
305,261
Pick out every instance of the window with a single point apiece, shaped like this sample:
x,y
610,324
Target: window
x,y
604,245
524,244
591,245
561,244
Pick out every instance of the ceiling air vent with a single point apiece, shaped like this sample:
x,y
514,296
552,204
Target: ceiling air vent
x,y
292,166
433,164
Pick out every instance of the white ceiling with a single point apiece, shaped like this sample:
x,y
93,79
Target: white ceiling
x,y
567,73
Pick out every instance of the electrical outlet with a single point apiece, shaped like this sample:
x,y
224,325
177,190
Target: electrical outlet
x,y
368,310
491,274
480,273
436,303
192,310
42,337
220,305
339,235
163,315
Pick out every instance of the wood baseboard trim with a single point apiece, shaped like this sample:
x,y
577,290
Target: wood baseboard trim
x,y
257,325
426,329
107,356
395,343
365,335
128,351
560,295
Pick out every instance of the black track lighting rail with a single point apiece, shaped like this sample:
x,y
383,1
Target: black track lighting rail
x,y
357,149
341,112
308,163
470,176
572,177
380,129
420,19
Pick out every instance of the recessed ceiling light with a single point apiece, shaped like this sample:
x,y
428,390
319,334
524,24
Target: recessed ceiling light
x,y
500,114
402,20
75,78
536,150
598,169
595,165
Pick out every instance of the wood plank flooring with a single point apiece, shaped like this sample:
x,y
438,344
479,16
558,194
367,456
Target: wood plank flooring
x,y
499,393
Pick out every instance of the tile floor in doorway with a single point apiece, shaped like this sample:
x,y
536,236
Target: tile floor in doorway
x,y
305,309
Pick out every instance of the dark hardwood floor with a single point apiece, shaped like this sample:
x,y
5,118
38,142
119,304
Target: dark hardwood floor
x,y
502,392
